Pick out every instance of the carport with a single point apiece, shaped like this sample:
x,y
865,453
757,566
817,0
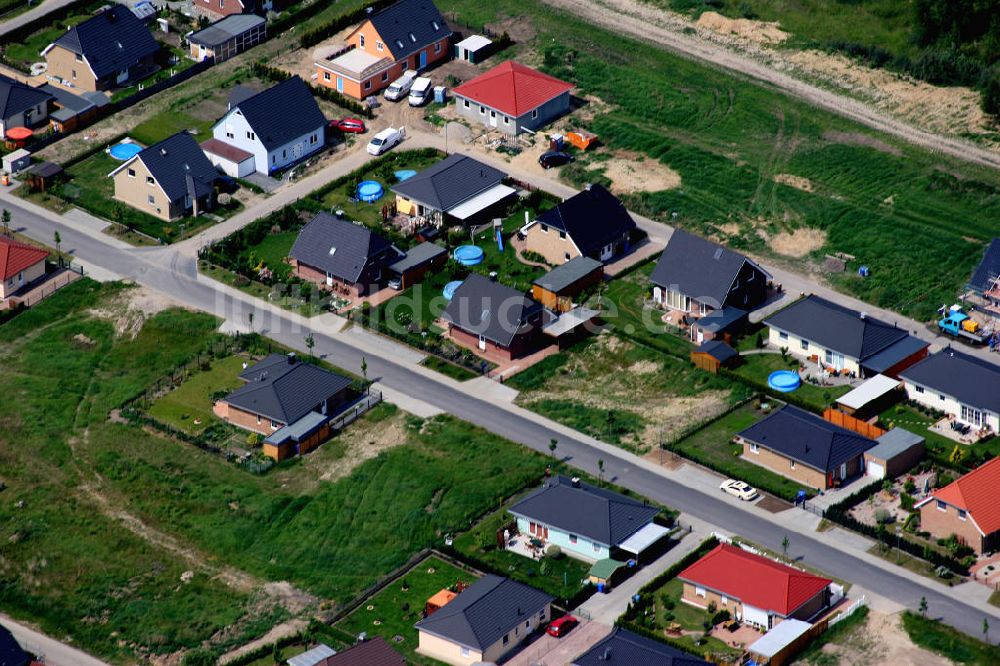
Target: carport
x,y
481,202
644,539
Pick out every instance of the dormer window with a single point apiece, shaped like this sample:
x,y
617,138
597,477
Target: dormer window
x,y
333,251
150,181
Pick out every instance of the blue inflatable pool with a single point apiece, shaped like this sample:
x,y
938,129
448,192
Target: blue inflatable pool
x,y
468,255
124,151
784,381
369,191
405,174
449,289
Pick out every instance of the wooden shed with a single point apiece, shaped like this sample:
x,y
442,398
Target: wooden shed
x,y
713,355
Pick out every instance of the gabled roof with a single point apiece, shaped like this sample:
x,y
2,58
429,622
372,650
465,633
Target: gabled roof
x,y
625,648
566,275
316,655
373,652
11,653
592,218
485,612
16,256
988,269
600,515
340,247
490,309
806,438
512,88
451,181
285,389
179,165
968,379
835,327
225,29
755,580
16,97
699,268
718,350
111,41
283,112
976,492
409,25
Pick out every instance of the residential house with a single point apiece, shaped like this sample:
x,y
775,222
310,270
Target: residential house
x,y
841,340
512,98
587,522
409,34
372,652
21,265
228,37
281,391
592,223
21,105
485,622
218,8
279,127
342,256
625,648
110,50
458,189
494,319
11,653
417,262
985,281
964,387
169,180
968,508
754,589
557,289
802,446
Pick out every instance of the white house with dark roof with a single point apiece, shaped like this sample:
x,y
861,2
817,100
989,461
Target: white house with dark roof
x,y
965,387
456,188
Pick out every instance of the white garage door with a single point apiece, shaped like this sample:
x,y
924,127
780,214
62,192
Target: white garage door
x,y
875,469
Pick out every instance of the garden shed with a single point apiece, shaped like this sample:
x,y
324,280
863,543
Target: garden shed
x,y
607,572
712,355
474,49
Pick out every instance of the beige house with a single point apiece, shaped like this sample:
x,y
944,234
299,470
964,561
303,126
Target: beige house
x,y
20,265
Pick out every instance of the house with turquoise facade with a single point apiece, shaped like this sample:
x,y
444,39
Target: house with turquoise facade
x,y
587,522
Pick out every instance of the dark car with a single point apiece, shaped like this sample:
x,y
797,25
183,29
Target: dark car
x,y
349,125
561,626
554,158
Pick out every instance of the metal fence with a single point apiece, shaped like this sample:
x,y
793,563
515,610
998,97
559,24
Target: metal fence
x,y
355,411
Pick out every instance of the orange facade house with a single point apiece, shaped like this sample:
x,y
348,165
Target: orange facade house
x,y
410,34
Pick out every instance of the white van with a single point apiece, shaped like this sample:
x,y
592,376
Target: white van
x,y
385,140
420,92
398,89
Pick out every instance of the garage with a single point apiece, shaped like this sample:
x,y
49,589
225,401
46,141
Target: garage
x,y
231,160
876,470
895,454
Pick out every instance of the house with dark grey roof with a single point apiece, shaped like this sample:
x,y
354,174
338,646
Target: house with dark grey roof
x,y
802,446
984,285
843,341
227,37
74,110
486,621
493,319
280,127
168,180
21,105
964,387
113,49
456,189
624,648
11,653
342,256
587,522
557,289
592,223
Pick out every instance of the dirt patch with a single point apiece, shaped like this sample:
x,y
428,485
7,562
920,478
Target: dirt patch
x,y
773,504
763,32
283,630
519,28
798,182
129,310
83,340
857,139
362,441
630,173
798,243
880,641
644,368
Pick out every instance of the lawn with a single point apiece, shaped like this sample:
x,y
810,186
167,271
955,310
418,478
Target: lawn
x,y
189,406
939,447
448,369
168,123
669,608
757,367
22,54
950,643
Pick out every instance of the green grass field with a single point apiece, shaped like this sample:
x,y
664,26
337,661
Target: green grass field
x,y
192,400
938,446
948,642
23,53
757,367
167,123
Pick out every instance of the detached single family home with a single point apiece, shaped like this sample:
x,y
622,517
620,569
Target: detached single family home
x,y
624,648
512,97
456,189
754,589
802,446
486,621
494,319
168,180
410,34
962,386
267,131
110,50
968,508
587,522
21,265
592,223
985,281
841,340
21,105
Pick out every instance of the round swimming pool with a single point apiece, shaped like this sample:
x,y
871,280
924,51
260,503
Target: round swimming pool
x,y
449,289
369,191
125,150
405,174
468,255
784,381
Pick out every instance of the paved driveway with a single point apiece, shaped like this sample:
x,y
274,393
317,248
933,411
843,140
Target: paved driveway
x,y
549,651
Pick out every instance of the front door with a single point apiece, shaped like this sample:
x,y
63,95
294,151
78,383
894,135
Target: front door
x,y
340,84
329,280
423,59
493,118
843,471
482,342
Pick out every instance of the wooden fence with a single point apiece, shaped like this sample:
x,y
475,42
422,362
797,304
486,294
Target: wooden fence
x,y
849,422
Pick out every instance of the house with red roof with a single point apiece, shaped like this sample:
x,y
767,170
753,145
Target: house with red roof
x,y
754,589
512,97
968,507
22,264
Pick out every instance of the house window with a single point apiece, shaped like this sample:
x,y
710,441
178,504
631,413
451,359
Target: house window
x,y
466,102
74,73
361,41
150,181
493,114
326,76
597,547
791,464
482,110
566,256
699,591
251,136
274,424
437,48
804,344
941,506
229,135
725,600
541,615
572,538
151,199
918,389
258,419
131,173
562,234
284,154
385,76
506,120
973,416
379,45
79,57
961,514
703,308
941,396
527,624
534,114
754,448
368,84
782,335
545,228
506,639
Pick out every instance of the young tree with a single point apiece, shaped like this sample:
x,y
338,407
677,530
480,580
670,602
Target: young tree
x,y
986,631
600,469
784,546
922,607
553,443
364,368
310,343
58,240
250,320
5,218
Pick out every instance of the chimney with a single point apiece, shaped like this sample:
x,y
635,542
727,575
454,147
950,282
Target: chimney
x,y
369,10
575,481
163,151
863,315
291,358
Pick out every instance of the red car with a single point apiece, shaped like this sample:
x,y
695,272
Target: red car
x,y
349,125
562,626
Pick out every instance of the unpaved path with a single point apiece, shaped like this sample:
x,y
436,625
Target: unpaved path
x,y
649,24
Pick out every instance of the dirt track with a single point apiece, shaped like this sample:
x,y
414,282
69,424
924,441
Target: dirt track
x,y
650,24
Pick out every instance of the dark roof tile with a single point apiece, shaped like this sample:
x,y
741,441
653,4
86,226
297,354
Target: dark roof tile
x,y
409,25
592,218
285,389
450,182
699,268
180,166
624,648
283,112
970,380
339,247
112,40
490,309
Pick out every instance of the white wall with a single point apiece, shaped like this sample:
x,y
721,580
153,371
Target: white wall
x,y
237,125
794,345
946,403
584,548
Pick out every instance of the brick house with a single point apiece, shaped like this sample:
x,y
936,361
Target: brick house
x,y
968,507
512,98
802,446
754,589
410,34
20,266
494,319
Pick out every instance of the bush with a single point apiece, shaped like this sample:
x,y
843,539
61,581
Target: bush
x,y
721,617
883,516
991,93
554,551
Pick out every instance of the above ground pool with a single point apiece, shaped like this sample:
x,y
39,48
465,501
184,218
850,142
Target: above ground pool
x,y
369,191
405,174
468,255
784,381
125,150
449,289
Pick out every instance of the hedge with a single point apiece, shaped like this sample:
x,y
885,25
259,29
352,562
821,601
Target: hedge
x,y
278,75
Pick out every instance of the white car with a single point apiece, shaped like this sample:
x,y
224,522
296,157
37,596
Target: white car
x,y
385,140
744,491
400,88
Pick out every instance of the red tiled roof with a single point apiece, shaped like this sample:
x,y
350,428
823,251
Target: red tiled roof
x,y
16,256
223,149
754,580
978,492
512,88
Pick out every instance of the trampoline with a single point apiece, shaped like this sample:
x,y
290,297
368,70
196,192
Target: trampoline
x,y
370,190
468,255
449,289
784,381
125,150
405,174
